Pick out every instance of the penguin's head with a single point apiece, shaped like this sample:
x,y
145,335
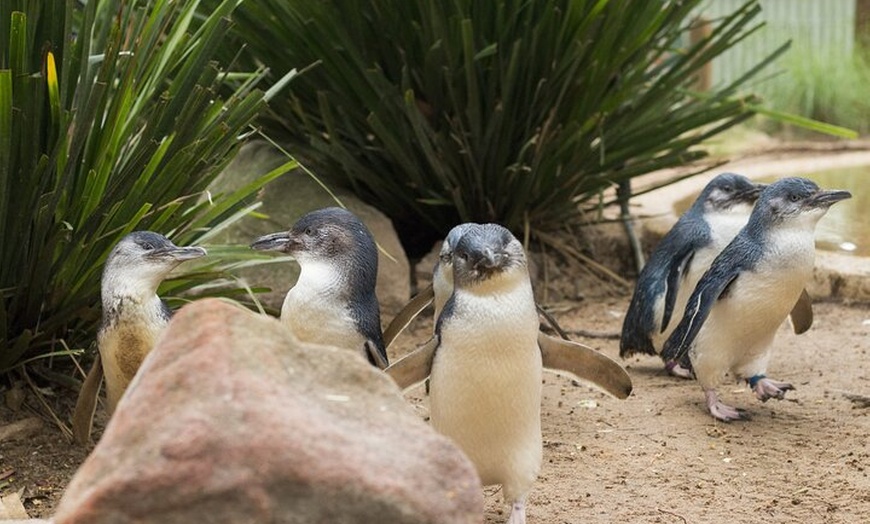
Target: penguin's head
x,y
796,199
730,192
142,259
484,252
331,234
444,266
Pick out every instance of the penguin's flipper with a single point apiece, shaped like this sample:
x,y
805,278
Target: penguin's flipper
x,y
407,314
414,367
714,285
86,404
639,323
375,356
677,269
584,363
802,313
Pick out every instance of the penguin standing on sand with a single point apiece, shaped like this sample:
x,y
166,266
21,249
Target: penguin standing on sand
x,y
679,260
334,300
133,317
485,364
732,316
485,382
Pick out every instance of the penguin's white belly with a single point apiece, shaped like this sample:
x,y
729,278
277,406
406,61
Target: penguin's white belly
x,y
738,333
314,317
485,390
124,345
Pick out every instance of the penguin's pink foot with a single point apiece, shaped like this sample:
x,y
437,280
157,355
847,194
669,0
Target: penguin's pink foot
x,y
721,411
676,370
766,389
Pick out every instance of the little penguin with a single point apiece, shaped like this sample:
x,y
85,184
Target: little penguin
x,y
679,260
732,316
133,316
484,362
560,356
485,382
333,302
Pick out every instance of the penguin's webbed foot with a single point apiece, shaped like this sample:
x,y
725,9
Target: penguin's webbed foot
x,y
518,513
721,411
766,389
675,369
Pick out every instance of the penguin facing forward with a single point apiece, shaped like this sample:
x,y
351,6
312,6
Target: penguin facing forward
x,y
560,356
133,317
732,316
675,266
485,382
333,302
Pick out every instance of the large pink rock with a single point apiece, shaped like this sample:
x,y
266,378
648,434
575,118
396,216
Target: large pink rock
x,y
230,419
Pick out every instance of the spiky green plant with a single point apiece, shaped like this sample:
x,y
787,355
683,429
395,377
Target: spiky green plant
x,y
495,110
110,121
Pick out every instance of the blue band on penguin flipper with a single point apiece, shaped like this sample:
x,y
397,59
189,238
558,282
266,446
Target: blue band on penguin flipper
x,y
754,380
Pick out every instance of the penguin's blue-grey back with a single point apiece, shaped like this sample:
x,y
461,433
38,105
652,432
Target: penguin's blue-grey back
x,y
664,273
744,253
362,274
691,232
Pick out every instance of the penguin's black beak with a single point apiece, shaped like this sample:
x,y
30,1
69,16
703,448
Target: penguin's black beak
x,y
488,260
178,253
828,198
272,242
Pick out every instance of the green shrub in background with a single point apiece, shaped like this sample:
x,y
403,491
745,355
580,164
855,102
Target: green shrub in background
x,y
110,121
827,87
494,110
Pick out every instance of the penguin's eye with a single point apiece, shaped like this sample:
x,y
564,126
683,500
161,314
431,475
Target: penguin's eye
x,y
147,246
463,256
309,231
794,197
727,189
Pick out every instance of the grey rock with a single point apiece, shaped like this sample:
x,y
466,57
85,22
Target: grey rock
x,y
231,420
288,198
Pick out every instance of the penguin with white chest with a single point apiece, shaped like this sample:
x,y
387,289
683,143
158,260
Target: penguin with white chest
x,y
732,316
559,355
334,301
133,314
683,255
484,364
133,317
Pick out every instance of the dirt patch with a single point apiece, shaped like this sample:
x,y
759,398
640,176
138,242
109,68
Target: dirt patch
x,y
659,457
656,457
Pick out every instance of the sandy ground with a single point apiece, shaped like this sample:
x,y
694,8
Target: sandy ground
x,y
657,456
